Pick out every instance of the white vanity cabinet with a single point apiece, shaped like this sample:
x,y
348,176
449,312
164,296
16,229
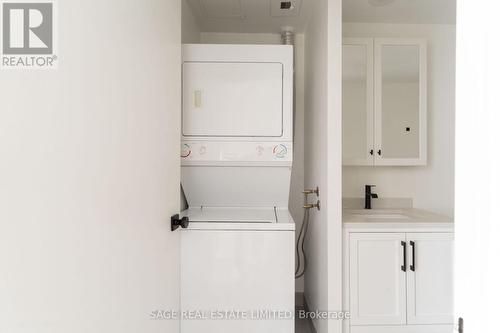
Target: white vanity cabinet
x,y
429,280
384,101
378,285
398,279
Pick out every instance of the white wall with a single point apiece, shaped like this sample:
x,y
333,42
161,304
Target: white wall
x,y
322,165
315,166
297,179
239,38
432,186
334,139
89,174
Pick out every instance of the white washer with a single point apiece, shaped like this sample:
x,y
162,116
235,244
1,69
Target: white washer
x,y
242,260
237,254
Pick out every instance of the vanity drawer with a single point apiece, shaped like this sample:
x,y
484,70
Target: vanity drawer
x,y
403,329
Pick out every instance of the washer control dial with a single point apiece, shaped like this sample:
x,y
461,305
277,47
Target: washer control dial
x,y
185,150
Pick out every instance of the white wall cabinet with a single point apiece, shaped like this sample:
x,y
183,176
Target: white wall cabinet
x,y
357,101
384,101
399,281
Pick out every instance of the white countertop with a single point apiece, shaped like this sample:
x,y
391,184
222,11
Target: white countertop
x,y
394,218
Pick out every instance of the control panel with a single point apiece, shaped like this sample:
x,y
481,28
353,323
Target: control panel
x,y
203,151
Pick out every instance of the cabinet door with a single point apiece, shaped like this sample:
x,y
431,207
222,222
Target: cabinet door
x,y
376,278
430,278
400,101
357,101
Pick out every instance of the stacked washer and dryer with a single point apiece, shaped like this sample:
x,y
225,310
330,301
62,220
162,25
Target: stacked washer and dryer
x,y
237,254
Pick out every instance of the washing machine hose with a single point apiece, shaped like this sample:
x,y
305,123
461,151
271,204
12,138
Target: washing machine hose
x,y
299,248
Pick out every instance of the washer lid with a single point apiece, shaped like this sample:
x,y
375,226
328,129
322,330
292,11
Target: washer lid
x,y
239,218
232,214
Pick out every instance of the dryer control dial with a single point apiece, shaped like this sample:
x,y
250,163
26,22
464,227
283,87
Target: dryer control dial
x,y
280,151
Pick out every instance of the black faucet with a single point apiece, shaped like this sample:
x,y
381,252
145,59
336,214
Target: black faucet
x,y
369,195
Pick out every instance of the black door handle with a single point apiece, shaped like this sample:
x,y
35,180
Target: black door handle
x,y
412,266
403,244
176,222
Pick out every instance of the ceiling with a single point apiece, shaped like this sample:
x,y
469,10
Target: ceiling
x,y
250,16
400,11
266,16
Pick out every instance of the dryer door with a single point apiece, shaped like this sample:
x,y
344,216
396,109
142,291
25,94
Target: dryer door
x,y
232,99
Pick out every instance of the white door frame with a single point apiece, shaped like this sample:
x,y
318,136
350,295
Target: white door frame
x,y
477,227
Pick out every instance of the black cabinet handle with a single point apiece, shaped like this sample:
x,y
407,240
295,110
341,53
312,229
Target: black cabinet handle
x,y
412,266
379,152
403,244
371,152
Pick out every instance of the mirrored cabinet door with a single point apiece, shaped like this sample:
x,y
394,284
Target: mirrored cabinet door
x,y
400,102
357,101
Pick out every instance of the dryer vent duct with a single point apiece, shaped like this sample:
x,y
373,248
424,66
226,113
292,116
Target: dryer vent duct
x,y
287,36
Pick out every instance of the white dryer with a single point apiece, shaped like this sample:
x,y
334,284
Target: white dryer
x,y
237,254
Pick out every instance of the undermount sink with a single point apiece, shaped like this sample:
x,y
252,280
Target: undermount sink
x,y
392,215
382,216
373,214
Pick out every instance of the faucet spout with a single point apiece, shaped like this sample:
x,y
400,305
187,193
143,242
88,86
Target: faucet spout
x,y
369,196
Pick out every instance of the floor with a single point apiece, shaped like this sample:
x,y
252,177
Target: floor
x,y
302,325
